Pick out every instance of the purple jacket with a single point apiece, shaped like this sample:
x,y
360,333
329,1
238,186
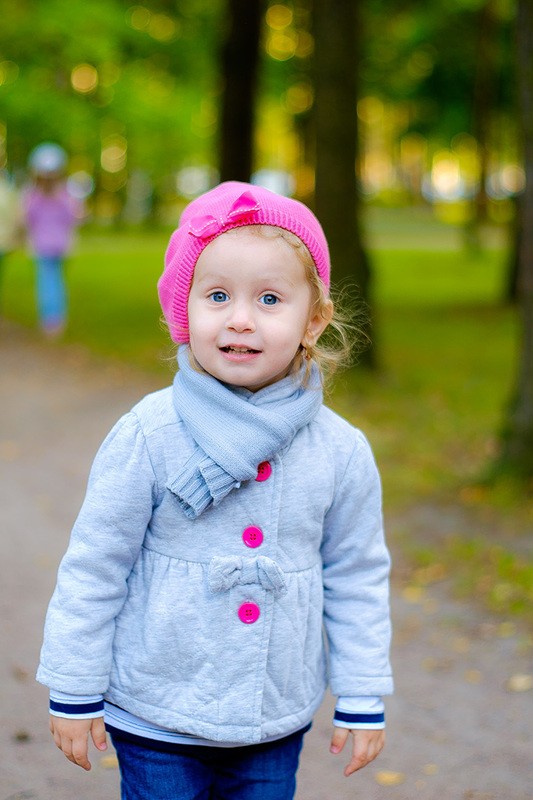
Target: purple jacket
x,y
50,221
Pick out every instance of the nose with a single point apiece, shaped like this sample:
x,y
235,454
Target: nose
x,y
240,319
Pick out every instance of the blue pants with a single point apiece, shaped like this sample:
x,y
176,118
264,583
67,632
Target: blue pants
x,y
51,292
197,772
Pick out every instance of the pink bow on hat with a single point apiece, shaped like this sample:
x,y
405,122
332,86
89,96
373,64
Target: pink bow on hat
x,y
205,226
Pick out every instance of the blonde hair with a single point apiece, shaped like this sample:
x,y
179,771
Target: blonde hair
x,y
334,348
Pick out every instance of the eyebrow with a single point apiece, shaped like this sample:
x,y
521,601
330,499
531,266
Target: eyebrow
x,y
219,278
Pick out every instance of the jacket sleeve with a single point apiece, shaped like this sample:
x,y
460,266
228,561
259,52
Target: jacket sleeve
x,y
92,579
356,567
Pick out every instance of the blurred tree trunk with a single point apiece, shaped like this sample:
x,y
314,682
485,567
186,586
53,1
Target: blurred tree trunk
x,y
511,278
337,32
484,92
239,60
517,440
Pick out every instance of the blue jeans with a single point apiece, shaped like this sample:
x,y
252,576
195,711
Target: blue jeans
x,y
197,772
51,292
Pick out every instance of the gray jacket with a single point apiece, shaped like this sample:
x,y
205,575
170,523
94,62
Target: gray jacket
x,y
150,608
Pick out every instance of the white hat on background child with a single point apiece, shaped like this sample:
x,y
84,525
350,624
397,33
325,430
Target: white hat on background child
x,y
47,159
227,206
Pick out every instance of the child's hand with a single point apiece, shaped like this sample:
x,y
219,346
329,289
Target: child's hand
x,y
367,745
71,736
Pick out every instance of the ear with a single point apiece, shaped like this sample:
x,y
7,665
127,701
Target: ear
x,y
317,325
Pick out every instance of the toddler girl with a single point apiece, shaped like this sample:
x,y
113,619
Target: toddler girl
x,y
51,216
228,519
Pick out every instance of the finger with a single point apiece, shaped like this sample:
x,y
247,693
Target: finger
x,y
75,751
359,759
65,745
79,754
365,749
98,734
55,731
338,740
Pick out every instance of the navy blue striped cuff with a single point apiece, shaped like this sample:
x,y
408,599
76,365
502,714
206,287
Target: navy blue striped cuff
x,y
343,716
76,708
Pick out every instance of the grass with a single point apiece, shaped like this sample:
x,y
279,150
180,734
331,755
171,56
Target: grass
x,y
478,568
447,347
114,309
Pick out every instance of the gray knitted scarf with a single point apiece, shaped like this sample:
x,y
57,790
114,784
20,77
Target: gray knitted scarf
x,y
234,430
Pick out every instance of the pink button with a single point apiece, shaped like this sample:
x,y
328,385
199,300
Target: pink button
x,y
252,536
264,471
248,613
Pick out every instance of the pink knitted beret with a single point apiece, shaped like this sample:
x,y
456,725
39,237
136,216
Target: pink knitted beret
x,y
229,205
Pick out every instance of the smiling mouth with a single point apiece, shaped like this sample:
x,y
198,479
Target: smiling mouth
x,y
231,349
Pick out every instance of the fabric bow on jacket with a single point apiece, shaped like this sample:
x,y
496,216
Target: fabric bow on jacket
x,y
225,572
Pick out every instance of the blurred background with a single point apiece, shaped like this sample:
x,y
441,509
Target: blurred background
x,y
407,126
135,94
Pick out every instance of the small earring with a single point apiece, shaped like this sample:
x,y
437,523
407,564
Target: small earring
x,y
307,354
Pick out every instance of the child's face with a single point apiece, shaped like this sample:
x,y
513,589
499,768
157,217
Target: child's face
x,y
249,309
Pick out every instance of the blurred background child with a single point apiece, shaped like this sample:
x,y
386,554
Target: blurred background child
x,y
51,216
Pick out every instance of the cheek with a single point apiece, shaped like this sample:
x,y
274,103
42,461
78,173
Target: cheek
x,y
196,319
195,336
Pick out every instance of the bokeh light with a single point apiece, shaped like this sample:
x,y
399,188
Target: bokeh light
x,y
159,26
139,17
162,28
80,184
282,46
9,72
299,98
114,153
84,78
278,17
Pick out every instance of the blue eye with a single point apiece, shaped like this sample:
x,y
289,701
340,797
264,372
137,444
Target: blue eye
x,y
219,297
269,299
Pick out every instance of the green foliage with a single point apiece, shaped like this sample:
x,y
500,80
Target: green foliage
x,y
158,83
155,70
427,54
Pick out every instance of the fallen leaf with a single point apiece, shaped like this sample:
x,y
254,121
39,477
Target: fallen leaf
x,y
431,574
109,762
461,644
21,736
473,676
388,778
506,629
471,495
413,594
20,674
520,683
437,664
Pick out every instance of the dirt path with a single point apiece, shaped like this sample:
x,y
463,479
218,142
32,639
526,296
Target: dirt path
x,y
457,729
